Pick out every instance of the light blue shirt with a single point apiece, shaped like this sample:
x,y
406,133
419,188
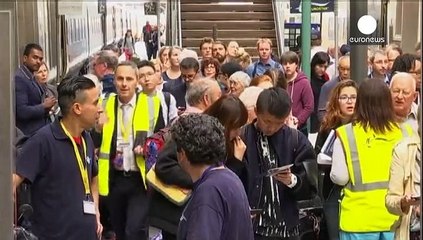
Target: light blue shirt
x,y
261,67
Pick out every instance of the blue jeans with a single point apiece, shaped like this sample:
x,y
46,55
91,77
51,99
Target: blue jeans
x,y
366,236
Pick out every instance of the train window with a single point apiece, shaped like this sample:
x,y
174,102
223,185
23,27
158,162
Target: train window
x,y
79,30
72,29
69,30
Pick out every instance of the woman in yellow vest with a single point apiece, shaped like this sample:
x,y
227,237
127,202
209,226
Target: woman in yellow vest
x,y
404,187
361,161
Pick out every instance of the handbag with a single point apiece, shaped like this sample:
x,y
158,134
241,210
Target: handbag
x,y
177,195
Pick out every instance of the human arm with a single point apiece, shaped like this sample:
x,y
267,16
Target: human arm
x,y
307,100
25,111
168,169
397,201
304,169
94,193
16,181
173,110
339,172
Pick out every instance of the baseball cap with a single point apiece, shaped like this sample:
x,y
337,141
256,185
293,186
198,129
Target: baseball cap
x,y
345,48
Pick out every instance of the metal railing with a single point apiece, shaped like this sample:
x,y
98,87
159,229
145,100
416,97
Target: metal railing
x,y
279,24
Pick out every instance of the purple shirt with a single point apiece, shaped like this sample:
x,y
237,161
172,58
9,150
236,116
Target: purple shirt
x,y
218,209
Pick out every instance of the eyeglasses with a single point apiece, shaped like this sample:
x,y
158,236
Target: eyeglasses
x,y
345,98
188,77
145,75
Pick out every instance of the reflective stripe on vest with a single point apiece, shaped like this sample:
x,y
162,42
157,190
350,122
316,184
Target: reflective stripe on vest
x,y
141,123
358,180
368,156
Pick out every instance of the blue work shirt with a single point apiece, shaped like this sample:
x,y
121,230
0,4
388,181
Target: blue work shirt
x,y
258,68
48,161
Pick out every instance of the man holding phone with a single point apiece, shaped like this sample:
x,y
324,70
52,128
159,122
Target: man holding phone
x,y
271,145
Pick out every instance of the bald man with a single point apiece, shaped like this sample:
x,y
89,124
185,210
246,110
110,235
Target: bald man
x,y
343,74
403,92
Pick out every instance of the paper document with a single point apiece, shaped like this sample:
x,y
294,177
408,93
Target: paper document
x,y
325,155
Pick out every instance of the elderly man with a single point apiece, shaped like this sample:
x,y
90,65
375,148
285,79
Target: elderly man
x,y
344,74
403,91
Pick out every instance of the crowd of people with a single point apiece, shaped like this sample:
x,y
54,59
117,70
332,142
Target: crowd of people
x,y
236,161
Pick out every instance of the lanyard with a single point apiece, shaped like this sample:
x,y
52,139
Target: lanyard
x,y
82,169
125,130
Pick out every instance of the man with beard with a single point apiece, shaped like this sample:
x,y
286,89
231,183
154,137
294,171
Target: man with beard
x,y
32,104
219,51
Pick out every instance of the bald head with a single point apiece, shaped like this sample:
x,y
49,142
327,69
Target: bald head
x,y
344,67
202,93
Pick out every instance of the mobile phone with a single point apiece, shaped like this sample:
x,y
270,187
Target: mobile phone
x,y
256,211
277,170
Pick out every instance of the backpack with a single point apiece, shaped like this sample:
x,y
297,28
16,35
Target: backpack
x,y
154,143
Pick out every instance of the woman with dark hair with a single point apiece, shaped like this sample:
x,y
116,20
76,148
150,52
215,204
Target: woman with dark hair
x,y
233,114
361,159
210,67
339,111
129,45
319,64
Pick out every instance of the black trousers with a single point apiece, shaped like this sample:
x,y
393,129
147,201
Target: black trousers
x,y
128,206
150,50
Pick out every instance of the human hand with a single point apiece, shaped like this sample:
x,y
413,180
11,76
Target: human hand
x,y
239,148
284,177
292,122
138,150
99,230
49,102
407,201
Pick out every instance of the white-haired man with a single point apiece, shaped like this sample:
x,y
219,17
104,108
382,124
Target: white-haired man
x,y
403,92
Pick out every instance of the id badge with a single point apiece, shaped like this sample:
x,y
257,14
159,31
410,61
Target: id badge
x,y
89,207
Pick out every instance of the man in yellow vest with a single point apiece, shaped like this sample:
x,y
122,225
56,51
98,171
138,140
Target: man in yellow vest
x,y
131,117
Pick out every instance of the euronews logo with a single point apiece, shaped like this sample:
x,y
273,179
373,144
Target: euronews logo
x,y
367,26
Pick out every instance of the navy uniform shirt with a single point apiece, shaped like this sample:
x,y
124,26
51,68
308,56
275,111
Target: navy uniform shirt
x,y
218,209
48,161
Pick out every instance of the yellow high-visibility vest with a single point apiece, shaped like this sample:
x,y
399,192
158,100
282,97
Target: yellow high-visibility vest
x,y
368,156
141,123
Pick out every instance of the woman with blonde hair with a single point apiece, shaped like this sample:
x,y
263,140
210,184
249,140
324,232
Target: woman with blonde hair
x,y
403,198
242,58
164,58
50,90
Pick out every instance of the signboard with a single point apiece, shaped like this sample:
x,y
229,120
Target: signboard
x,y
101,6
67,7
150,8
316,6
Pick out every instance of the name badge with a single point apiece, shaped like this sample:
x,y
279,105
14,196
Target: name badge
x,y
123,145
89,207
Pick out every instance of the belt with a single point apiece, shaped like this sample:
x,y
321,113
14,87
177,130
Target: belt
x,y
128,173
